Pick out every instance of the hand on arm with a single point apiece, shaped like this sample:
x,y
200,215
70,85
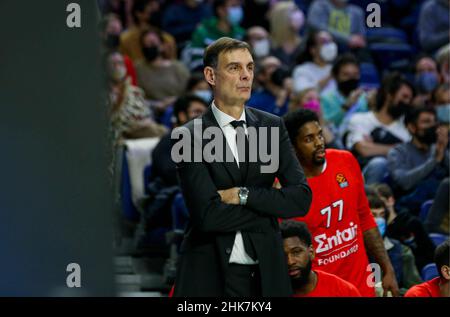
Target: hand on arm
x,y
375,247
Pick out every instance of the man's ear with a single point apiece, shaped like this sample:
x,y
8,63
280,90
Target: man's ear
x,y
209,75
445,270
312,252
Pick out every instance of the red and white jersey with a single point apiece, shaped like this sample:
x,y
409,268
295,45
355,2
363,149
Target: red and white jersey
x,y
338,216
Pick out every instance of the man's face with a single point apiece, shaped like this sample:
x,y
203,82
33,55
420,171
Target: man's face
x,y
310,144
425,122
195,109
378,212
233,77
404,94
348,71
299,258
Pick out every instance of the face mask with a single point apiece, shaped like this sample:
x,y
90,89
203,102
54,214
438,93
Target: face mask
x,y
328,51
313,105
347,86
150,53
396,111
428,136
381,223
261,48
443,113
297,19
426,82
119,73
112,41
235,15
205,94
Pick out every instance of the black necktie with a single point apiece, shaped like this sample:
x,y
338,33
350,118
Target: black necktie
x,y
243,157
243,167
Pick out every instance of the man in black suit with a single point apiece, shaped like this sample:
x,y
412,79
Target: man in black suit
x,y
233,245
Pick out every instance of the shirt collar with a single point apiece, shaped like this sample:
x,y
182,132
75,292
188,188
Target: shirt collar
x,y
224,119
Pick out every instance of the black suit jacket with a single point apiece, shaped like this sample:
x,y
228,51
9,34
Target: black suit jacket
x,y
209,238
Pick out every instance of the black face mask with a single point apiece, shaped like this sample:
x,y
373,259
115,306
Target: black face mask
x,y
396,111
112,41
347,86
428,136
150,53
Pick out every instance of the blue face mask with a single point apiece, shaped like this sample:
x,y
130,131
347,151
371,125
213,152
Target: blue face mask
x,y
443,113
235,15
205,94
426,82
381,223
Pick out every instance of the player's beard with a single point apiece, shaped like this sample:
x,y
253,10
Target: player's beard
x,y
302,279
317,161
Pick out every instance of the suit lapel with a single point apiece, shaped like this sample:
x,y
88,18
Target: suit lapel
x,y
232,168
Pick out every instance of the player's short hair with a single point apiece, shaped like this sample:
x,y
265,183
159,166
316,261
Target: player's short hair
x,y
222,45
296,119
441,255
291,228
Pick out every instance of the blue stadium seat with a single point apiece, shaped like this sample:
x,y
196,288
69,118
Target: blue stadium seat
x,y
386,35
438,238
180,214
429,272
391,56
128,209
424,209
369,76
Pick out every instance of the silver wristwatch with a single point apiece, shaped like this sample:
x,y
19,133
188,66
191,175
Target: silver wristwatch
x,y
243,195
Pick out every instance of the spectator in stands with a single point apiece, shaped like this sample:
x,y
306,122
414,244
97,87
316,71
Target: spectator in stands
x,y
185,109
259,41
441,101
227,15
315,62
225,22
181,19
198,86
286,21
426,79
309,99
339,208
273,94
346,22
434,25
130,116
130,43
438,218
439,286
300,254
405,227
372,134
401,256
443,60
346,98
111,28
417,167
162,79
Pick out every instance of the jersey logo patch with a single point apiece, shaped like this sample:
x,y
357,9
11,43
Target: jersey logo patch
x,y
341,180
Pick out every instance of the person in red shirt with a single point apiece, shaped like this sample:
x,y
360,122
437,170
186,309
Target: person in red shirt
x,y
439,286
339,218
299,254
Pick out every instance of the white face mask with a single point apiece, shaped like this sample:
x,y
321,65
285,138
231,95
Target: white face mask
x,y
119,73
261,48
443,113
328,51
205,94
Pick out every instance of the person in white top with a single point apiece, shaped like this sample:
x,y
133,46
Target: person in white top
x,y
314,69
372,134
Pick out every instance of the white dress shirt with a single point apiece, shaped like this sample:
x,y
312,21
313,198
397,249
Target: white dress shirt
x,y
238,254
